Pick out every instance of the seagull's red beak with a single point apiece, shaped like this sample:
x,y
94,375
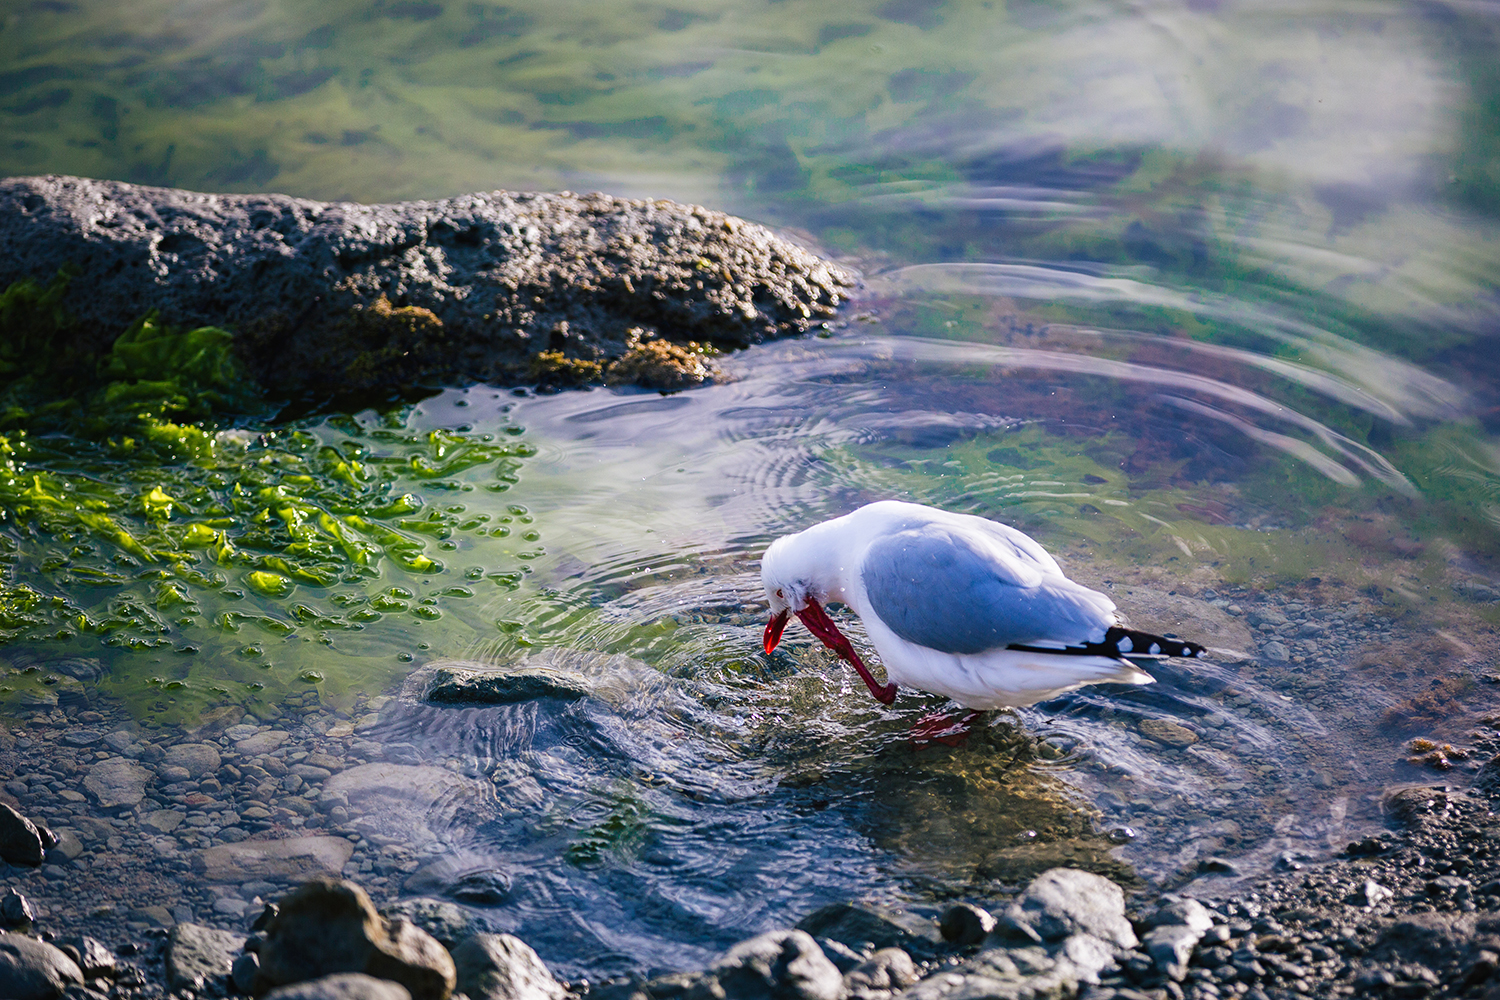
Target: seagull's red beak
x,y
774,628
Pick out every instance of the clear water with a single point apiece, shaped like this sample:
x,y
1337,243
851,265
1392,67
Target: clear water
x,y
1201,295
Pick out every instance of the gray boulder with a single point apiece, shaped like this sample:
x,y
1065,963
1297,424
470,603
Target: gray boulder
x,y
1064,902
34,970
359,296
882,975
344,986
329,926
781,964
198,957
502,967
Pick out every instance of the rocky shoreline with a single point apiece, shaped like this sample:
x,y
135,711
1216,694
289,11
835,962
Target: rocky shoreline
x,y
501,287
209,852
1414,913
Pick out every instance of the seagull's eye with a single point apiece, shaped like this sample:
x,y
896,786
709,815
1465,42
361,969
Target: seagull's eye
x,y
779,594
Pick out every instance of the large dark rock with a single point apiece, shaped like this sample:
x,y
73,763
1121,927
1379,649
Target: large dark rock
x,y
22,842
34,970
358,296
329,926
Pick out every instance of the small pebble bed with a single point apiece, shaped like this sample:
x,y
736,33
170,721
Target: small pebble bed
x,y
146,863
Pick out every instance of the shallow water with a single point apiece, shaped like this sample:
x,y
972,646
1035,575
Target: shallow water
x,y
1201,295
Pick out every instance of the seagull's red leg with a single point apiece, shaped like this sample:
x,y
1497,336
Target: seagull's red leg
x,y
820,625
937,727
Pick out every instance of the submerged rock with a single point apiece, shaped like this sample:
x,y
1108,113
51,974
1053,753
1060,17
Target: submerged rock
x,y
475,287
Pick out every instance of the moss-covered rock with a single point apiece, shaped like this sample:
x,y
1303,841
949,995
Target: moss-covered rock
x,y
326,297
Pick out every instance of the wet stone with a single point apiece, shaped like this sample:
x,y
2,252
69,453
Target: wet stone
x,y
90,955
200,956
1066,901
345,986
329,926
34,970
448,923
883,974
861,924
197,759
16,911
502,967
965,923
21,841
778,963
261,743
117,782
1170,733
290,858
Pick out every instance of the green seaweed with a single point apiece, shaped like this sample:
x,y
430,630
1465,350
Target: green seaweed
x,y
153,504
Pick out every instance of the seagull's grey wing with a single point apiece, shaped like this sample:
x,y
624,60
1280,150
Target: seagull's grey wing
x,y
938,589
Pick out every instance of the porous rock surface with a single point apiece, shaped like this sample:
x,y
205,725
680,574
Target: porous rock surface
x,y
477,287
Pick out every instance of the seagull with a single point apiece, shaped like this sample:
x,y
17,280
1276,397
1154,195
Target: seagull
x,y
956,605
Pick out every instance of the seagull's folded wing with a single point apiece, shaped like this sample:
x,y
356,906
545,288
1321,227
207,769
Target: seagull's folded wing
x,y
958,593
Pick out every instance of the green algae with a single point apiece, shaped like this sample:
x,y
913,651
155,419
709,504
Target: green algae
x,y
151,504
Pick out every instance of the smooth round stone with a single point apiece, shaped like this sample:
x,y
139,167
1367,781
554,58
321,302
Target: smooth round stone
x,y
197,759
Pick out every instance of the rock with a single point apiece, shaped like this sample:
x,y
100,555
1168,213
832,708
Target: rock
x,y
244,970
16,912
861,924
162,820
882,975
1063,902
1372,894
1275,652
117,782
292,858
91,956
197,759
778,964
200,957
329,926
502,967
405,802
344,986
34,970
67,847
483,285
965,923
261,743
1170,733
475,684
1188,912
20,840
1021,973
447,923
1170,946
